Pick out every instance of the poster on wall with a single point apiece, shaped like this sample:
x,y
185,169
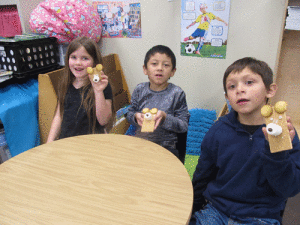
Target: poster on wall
x,y
204,28
120,19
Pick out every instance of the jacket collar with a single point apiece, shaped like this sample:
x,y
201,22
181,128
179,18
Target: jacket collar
x,y
231,119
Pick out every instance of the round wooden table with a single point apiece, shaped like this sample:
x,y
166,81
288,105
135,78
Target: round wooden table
x,y
95,179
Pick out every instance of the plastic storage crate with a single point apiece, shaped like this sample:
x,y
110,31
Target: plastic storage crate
x,y
29,57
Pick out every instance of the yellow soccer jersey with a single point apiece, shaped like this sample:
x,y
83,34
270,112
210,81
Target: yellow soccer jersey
x,y
205,20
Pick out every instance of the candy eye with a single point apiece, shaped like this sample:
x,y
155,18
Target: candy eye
x,y
96,78
148,116
274,129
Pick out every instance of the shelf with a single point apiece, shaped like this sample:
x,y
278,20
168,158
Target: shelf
x,y
25,8
288,77
294,2
292,21
8,2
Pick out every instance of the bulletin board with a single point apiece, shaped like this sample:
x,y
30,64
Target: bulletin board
x,y
204,28
120,19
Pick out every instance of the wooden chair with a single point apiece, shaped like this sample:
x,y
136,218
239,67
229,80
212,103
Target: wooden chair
x,y
224,110
48,88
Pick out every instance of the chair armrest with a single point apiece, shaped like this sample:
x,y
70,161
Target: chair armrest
x,y
120,127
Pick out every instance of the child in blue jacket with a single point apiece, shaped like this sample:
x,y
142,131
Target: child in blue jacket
x,y
237,179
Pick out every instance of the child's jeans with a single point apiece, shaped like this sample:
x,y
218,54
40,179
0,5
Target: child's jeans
x,y
211,216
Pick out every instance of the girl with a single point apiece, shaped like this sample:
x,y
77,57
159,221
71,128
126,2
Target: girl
x,y
84,106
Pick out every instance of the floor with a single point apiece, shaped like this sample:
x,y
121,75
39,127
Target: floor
x,y
291,214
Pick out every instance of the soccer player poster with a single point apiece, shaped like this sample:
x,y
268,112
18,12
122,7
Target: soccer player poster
x,y
204,28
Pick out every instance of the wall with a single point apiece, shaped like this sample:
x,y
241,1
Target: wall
x,y
254,30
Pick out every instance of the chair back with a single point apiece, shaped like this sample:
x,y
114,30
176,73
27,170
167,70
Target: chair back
x,y
181,145
48,87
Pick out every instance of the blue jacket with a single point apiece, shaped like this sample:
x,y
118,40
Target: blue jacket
x,y
240,177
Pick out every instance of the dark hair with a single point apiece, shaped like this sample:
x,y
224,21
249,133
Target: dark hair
x,y
256,66
162,50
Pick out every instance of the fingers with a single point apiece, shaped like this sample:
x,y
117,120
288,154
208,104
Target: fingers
x,y
157,122
101,84
290,127
264,130
160,115
139,118
159,118
292,134
103,76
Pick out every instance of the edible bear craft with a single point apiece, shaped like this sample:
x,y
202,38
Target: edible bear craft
x,y
148,123
96,71
276,124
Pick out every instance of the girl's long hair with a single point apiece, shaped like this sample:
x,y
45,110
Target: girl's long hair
x,y
87,93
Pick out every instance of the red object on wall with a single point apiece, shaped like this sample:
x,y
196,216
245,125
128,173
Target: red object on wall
x,y
10,23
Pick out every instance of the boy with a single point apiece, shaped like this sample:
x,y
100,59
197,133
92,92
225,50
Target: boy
x,y
173,115
237,179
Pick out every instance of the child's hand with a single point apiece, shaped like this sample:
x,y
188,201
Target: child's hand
x,y
139,118
290,128
101,84
159,117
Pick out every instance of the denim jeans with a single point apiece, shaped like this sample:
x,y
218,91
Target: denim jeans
x,y
211,216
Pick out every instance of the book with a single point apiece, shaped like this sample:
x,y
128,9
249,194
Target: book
x,y
5,75
292,21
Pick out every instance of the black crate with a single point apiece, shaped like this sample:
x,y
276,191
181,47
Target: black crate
x,y
29,57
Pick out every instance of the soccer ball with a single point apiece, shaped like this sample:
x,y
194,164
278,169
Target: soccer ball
x,y
189,49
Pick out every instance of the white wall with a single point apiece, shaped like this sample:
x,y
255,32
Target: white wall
x,y
254,30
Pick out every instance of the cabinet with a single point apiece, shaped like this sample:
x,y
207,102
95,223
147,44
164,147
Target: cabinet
x,y
25,8
287,75
288,81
